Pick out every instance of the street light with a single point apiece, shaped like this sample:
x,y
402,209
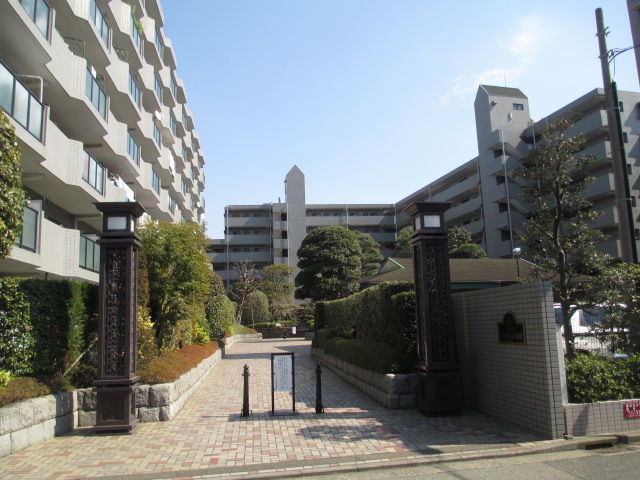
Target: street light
x,y
516,253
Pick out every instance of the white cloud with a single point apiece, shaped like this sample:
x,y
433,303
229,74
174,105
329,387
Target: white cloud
x,y
522,43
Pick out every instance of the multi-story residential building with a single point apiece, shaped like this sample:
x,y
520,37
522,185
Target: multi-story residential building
x,y
101,115
272,233
484,193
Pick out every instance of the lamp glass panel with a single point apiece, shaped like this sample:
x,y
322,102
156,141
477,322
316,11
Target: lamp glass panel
x,y
117,223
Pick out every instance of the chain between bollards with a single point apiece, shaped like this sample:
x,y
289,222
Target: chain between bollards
x,y
245,397
319,407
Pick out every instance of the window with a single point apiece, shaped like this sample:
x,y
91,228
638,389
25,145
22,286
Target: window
x,y
155,181
502,207
284,235
134,90
133,149
629,169
505,235
283,217
29,238
157,87
499,180
89,253
621,105
184,152
172,204
156,135
19,103
96,94
183,186
172,124
172,86
39,12
93,172
625,137
159,44
285,252
97,17
518,106
135,34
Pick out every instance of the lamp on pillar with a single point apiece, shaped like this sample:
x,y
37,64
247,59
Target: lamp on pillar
x,y
436,336
117,381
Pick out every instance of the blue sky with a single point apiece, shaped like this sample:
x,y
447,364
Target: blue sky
x,y
372,99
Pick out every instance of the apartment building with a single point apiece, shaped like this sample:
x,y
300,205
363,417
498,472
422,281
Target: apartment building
x,y
272,233
92,89
484,193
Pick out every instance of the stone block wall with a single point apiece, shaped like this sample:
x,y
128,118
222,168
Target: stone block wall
x,y
394,391
516,382
584,419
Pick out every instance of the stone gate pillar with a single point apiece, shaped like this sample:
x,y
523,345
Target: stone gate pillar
x,y
442,390
117,381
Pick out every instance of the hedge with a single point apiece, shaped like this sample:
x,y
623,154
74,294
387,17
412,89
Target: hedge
x,y
384,313
45,324
591,378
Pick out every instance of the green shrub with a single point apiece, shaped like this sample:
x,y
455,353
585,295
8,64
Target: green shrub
x,y
322,336
593,379
256,309
5,377
16,334
367,354
220,312
236,329
24,388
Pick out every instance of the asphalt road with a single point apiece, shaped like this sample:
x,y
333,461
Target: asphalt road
x,y
621,462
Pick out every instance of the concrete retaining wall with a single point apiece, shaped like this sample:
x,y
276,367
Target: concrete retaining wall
x,y
584,419
26,423
394,391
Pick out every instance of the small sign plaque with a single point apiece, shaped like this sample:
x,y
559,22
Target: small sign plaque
x,y
510,330
283,377
631,409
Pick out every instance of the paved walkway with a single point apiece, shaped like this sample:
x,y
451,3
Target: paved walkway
x,y
209,438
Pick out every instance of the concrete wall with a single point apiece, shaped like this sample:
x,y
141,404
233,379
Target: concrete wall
x,y
598,418
517,383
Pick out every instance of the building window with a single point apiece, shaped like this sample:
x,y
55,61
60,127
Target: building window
x,y
285,252
159,44
625,137
629,169
133,149
505,235
155,181
183,186
93,172
284,235
172,124
134,90
157,87
96,94
502,207
29,238
172,204
39,12
621,105
89,253
98,20
156,135
19,103
172,87
518,106
283,217
499,180
135,35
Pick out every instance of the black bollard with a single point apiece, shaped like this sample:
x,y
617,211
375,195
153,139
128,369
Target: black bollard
x,y
319,407
245,397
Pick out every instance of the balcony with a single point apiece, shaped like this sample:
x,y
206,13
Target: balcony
x,y
248,221
593,125
460,190
462,210
602,187
261,239
20,103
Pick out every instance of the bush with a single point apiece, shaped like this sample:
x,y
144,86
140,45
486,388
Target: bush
x,y
16,334
594,379
168,367
220,312
24,388
236,329
322,336
367,354
256,309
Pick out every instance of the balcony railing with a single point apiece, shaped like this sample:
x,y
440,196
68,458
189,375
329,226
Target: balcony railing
x,y
20,103
40,13
29,238
135,35
96,94
89,253
97,17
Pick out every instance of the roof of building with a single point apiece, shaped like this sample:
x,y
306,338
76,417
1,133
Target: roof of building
x,y
503,91
463,271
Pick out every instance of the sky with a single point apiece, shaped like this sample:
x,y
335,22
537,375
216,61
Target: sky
x,y
372,99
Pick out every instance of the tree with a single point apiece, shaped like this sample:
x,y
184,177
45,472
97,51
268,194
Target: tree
x,y
277,285
256,309
329,263
246,283
461,244
371,257
403,248
458,236
179,276
220,311
558,235
12,195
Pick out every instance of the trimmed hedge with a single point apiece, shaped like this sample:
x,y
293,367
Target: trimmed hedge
x,y
591,378
45,324
168,367
384,313
367,354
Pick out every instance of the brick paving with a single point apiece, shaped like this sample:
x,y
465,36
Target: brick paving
x,y
209,438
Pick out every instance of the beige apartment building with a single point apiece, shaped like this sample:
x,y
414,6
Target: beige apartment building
x,y
92,89
272,233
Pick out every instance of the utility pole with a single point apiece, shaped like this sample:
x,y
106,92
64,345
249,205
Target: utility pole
x,y
628,246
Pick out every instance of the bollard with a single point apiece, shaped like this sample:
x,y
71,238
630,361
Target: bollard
x,y
319,407
245,397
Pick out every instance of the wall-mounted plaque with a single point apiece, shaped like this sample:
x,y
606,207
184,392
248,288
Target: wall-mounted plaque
x,y
510,330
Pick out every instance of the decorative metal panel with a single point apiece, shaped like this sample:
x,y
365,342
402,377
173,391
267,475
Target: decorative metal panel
x,y
437,288
115,311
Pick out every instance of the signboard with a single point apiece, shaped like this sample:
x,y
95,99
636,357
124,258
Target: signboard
x,y
510,330
282,377
283,372
631,409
